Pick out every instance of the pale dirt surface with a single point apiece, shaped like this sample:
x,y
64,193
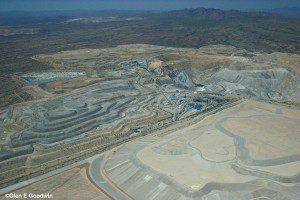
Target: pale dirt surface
x,y
135,90
79,188
69,185
192,158
287,170
279,58
189,170
215,146
267,135
205,57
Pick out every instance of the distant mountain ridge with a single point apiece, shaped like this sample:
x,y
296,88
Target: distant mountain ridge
x,y
212,13
287,11
32,17
12,18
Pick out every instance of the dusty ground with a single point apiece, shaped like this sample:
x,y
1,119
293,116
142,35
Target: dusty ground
x,y
213,159
229,147
68,185
97,99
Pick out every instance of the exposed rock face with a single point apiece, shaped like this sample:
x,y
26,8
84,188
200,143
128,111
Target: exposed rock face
x,y
180,77
136,63
98,98
273,83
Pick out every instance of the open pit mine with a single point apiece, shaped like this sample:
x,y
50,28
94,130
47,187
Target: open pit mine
x,y
151,122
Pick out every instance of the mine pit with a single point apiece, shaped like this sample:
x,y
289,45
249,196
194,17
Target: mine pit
x,y
118,97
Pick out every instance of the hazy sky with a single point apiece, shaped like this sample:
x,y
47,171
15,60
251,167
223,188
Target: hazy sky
x,y
6,5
